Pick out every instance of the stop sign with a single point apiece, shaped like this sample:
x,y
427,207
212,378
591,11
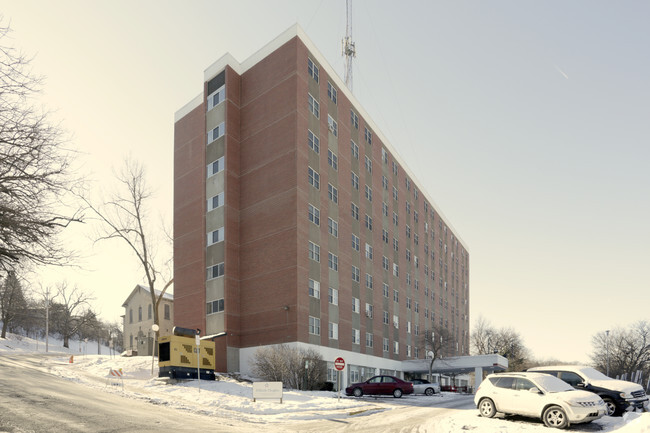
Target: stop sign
x,y
339,363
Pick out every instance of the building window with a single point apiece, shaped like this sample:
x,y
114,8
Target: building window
x,y
368,251
215,271
384,156
395,219
314,289
408,208
384,236
394,193
368,164
355,180
314,325
395,270
314,106
384,182
396,321
355,211
314,252
215,306
384,263
216,201
312,69
408,351
394,168
355,274
368,136
408,184
356,336
130,315
332,159
167,312
216,166
386,318
331,92
333,331
333,296
368,339
385,345
408,304
395,347
369,310
356,305
332,262
217,97
332,193
333,227
313,141
408,232
368,193
215,236
217,132
313,177
368,222
395,244
354,120
355,242
139,314
313,214
332,125
395,295
385,290
355,149
369,281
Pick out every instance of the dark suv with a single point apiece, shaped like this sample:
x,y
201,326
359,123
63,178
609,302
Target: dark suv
x,y
619,395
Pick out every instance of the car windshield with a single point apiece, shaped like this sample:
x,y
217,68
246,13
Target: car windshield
x,y
550,383
593,374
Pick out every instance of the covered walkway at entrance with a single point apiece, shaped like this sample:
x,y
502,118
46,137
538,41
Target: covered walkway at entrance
x,y
456,365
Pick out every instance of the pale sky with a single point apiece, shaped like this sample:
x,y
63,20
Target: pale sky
x,y
528,123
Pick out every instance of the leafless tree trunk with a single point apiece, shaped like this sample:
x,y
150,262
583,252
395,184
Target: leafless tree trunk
x,y
437,342
71,311
124,216
34,170
628,350
507,342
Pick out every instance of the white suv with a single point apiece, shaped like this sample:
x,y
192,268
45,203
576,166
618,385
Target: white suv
x,y
537,395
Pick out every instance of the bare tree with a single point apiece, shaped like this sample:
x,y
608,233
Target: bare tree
x,y
34,169
628,350
296,368
70,311
12,301
124,216
437,343
507,342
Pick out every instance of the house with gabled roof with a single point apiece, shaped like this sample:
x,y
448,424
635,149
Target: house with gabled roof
x,y
138,319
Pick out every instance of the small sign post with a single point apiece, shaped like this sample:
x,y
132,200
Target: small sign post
x,y
339,364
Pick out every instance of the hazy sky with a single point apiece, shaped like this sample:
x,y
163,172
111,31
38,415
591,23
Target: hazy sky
x,y
527,122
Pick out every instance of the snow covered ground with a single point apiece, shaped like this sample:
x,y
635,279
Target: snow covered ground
x,y
230,398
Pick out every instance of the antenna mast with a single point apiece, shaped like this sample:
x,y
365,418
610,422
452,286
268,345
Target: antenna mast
x,y
349,50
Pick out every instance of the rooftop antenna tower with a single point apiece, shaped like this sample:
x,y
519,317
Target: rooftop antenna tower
x,y
349,50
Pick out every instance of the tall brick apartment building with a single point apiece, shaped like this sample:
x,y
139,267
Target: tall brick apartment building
x,y
296,222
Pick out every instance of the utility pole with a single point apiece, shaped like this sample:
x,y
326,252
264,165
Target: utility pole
x,y
348,48
607,344
47,318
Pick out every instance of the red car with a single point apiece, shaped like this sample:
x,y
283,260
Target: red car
x,y
383,385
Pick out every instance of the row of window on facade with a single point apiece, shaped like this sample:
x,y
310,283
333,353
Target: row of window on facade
x,y
166,312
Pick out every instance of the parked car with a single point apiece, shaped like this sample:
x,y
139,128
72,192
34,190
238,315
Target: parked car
x,y
619,395
537,395
423,386
383,385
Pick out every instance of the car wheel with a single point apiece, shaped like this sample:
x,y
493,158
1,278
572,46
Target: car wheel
x,y
397,393
358,392
554,416
486,408
612,410
429,391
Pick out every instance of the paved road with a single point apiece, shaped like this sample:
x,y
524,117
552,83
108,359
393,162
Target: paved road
x,y
32,400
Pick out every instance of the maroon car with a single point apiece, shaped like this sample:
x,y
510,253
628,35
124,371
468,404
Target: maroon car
x,y
384,385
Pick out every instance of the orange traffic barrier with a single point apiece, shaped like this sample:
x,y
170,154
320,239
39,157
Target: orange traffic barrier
x,y
71,359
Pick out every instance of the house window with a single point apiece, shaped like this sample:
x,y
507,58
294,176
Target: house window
x,y
215,306
314,289
215,271
167,312
333,331
313,177
314,325
332,262
217,132
355,149
314,252
139,314
355,242
332,125
355,274
216,201
332,193
331,92
312,69
313,215
216,166
333,227
313,141
354,120
332,159
216,97
215,236
333,296
314,106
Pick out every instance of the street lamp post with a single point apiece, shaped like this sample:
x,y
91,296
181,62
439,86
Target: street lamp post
x,y
607,349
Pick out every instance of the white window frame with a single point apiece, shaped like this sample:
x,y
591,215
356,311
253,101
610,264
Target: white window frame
x,y
314,106
219,233
220,201
333,331
314,325
314,288
333,296
216,166
217,97
217,132
220,268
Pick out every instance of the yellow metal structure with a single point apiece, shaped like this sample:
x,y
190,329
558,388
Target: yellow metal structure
x,y
177,357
